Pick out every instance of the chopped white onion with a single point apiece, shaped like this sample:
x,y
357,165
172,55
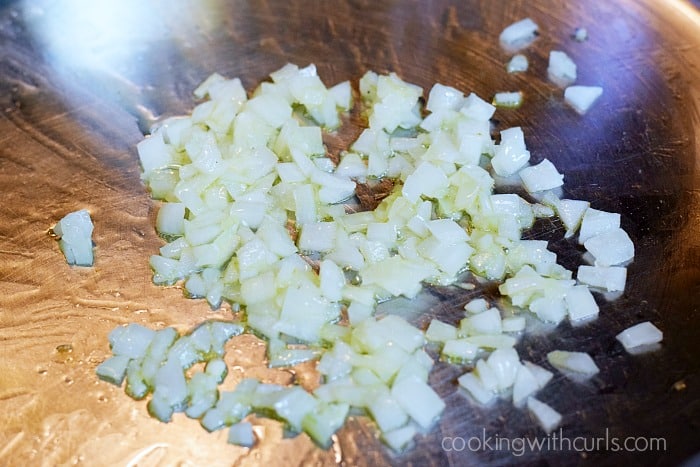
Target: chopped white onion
x,y
610,248
581,98
248,188
440,332
541,375
511,154
519,34
541,177
524,386
475,387
74,233
641,334
242,434
460,349
561,69
570,211
580,34
513,324
476,305
610,278
113,370
399,438
511,99
596,222
444,97
580,303
577,362
517,64
419,400
546,416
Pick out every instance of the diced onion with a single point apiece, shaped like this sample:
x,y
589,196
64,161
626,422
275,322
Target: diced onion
x,y
561,69
581,98
610,278
511,99
241,434
517,64
577,362
580,34
519,34
541,177
610,248
546,416
74,234
247,190
639,335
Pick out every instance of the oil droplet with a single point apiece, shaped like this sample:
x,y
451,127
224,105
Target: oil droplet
x,y
63,353
352,276
102,398
68,380
42,371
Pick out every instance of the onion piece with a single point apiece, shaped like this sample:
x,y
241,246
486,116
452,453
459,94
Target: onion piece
x,y
519,34
505,363
610,278
580,34
459,350
74,233
595,222
113,370
513,324
511,154
541,375
324,421
419,400
580,303
508,99
641,334
132,340
440,332
546,416
582,98
517,64
610,248
561,69
241,434
524,386
541,177
399,438
476,305
387,412
472,384
577,362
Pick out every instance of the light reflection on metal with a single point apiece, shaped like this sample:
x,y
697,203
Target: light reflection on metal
x,y
114,49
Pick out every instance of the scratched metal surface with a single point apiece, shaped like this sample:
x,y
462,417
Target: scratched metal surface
x,y
79,83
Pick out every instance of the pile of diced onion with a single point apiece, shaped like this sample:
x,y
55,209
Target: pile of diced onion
x,y
257,214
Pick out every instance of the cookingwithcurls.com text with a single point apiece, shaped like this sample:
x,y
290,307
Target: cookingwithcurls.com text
x,y
555,441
